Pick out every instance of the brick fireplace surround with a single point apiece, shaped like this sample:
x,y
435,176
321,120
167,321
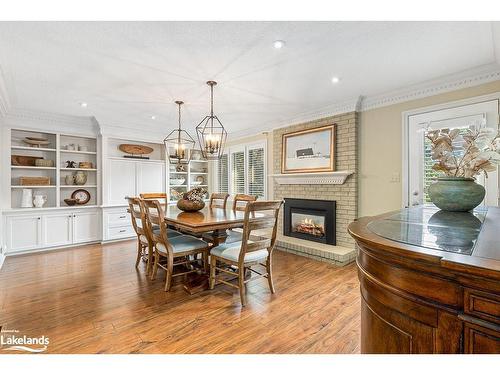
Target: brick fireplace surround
x,y
346,194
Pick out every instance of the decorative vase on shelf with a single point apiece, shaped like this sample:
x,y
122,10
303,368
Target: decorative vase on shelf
x,y
80,178
69,179
456,193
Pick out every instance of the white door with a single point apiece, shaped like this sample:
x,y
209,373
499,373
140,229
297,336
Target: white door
x,y
122,181
57,229
85,227
24,233
150,177
419,173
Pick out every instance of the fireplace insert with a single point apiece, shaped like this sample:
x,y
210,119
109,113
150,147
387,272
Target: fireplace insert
x,y
310,219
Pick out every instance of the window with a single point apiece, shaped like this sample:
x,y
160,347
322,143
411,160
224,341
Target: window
x,y
256,177
222,174
238,172
246,171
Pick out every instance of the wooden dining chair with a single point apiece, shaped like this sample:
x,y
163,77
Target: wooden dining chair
x,y
176,250
218,200
143,243
144,239
248,253
233,235
240,201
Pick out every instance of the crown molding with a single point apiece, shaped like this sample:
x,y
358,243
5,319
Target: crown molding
x,y
4,98
123,132
41,120
453,82
347,106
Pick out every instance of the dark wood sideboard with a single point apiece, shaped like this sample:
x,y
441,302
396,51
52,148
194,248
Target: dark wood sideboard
x,y
430,281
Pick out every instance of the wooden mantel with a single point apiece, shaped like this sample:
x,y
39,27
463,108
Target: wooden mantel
x,y
317,178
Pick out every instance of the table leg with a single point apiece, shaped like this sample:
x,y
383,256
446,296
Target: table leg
x,y
219,236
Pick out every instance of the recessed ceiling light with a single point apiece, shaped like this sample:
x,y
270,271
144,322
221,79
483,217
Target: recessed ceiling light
x,y
279,44
83,105
153,117
335,79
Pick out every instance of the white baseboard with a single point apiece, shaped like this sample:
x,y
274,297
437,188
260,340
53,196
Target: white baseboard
x,y
2,258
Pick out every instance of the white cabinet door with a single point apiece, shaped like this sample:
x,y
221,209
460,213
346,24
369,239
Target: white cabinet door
x,y
150,177
122,181
57,229
24,233
85,227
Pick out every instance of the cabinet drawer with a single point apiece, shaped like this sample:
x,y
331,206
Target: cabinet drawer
x,y
120,218
482,304
121,232
481,340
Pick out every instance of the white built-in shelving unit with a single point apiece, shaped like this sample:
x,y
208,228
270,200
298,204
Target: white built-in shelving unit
x,y
196,169
57,151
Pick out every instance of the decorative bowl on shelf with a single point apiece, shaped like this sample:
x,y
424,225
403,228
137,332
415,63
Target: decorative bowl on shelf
x,y
36,142
177,181
70,201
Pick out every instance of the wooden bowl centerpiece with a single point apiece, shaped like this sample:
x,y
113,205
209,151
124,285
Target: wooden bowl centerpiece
x,y
192,201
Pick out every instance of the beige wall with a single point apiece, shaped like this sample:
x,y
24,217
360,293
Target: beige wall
x,y
380,149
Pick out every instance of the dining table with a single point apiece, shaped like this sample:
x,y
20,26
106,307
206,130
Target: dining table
x,y
212,220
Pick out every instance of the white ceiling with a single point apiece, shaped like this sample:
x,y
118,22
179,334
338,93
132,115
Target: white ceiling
x,y
129,71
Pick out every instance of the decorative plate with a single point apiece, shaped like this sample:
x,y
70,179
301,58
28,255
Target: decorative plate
x,y
82,196
135,149
200,180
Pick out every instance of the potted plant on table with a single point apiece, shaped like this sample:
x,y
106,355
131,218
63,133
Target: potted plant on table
x,y
460,155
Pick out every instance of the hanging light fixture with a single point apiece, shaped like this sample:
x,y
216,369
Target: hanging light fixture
x,y
211,134
178,143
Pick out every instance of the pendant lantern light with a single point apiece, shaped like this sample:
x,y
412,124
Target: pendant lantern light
x,y
179,145
210,131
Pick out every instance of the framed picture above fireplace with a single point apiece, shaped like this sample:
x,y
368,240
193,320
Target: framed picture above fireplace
x,y
311,150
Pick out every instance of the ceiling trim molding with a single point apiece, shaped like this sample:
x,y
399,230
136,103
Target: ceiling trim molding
x,y
39,119
352,105
123,132
469,78
4,98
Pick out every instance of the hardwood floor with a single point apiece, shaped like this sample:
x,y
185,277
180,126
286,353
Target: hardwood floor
x,y
91,299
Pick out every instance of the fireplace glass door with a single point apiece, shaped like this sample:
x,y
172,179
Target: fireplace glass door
x,y
313,225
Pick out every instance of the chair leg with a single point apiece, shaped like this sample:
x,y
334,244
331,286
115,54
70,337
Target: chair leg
x,y
269,269
241,285
155,266
212,271
139,253
170,270
149,266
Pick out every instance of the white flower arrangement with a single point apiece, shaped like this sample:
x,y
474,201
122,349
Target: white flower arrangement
x,y
465,153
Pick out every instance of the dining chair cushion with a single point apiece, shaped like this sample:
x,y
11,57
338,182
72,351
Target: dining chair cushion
x,y
183,243
170,232
231,251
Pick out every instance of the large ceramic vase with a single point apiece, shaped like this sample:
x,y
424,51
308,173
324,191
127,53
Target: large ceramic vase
x,y
190,206
456,193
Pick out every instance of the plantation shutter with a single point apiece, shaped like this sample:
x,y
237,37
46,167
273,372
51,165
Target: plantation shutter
x,y
238,172
256,177
223,174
